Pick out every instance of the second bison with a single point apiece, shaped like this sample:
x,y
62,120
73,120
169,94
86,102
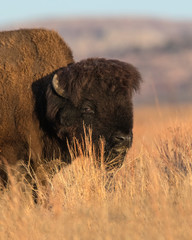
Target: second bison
x,y
41,111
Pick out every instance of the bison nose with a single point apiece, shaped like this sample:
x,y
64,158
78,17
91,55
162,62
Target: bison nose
x,y
120,137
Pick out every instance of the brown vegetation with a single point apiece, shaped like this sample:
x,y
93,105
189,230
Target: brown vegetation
x,y
150,197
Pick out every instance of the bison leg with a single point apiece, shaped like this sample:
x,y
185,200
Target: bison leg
x,y
3,177
3,172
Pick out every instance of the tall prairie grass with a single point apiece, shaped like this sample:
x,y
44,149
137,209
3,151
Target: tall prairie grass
x,y
150,196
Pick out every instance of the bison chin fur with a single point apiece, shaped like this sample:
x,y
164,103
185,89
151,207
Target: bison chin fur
x,y
109,159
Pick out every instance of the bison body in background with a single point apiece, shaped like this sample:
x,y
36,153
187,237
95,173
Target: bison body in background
x,y
46,99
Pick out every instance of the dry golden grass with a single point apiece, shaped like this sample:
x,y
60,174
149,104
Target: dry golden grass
x,y
150,197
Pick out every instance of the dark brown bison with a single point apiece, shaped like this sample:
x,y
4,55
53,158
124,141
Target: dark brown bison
x,y
46,99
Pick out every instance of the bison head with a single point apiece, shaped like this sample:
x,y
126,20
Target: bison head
x,y
95,93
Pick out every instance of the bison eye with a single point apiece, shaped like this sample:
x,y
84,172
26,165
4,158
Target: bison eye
x,y
87,110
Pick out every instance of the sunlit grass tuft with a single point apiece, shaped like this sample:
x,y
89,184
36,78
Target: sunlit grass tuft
x,y
149,197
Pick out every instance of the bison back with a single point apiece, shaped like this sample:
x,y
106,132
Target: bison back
x,y
25,57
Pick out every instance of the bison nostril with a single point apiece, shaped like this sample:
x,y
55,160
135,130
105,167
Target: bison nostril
x,y
119,138
122,137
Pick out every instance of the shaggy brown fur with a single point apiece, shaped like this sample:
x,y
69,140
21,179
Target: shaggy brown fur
x,y
25,56
44,106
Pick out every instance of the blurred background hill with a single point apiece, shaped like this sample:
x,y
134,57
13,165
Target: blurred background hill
x,y
161,49
155,36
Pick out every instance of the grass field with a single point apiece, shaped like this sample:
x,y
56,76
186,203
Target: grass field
x,y
150,197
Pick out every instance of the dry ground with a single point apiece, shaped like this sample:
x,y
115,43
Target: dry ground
x,y
150,198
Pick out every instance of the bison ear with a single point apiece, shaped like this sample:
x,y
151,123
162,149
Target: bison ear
x,y
136,79
57,87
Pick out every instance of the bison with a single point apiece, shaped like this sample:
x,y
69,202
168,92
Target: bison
x,y
46,99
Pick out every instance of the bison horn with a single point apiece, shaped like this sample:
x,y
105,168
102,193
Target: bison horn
x,y
55,83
